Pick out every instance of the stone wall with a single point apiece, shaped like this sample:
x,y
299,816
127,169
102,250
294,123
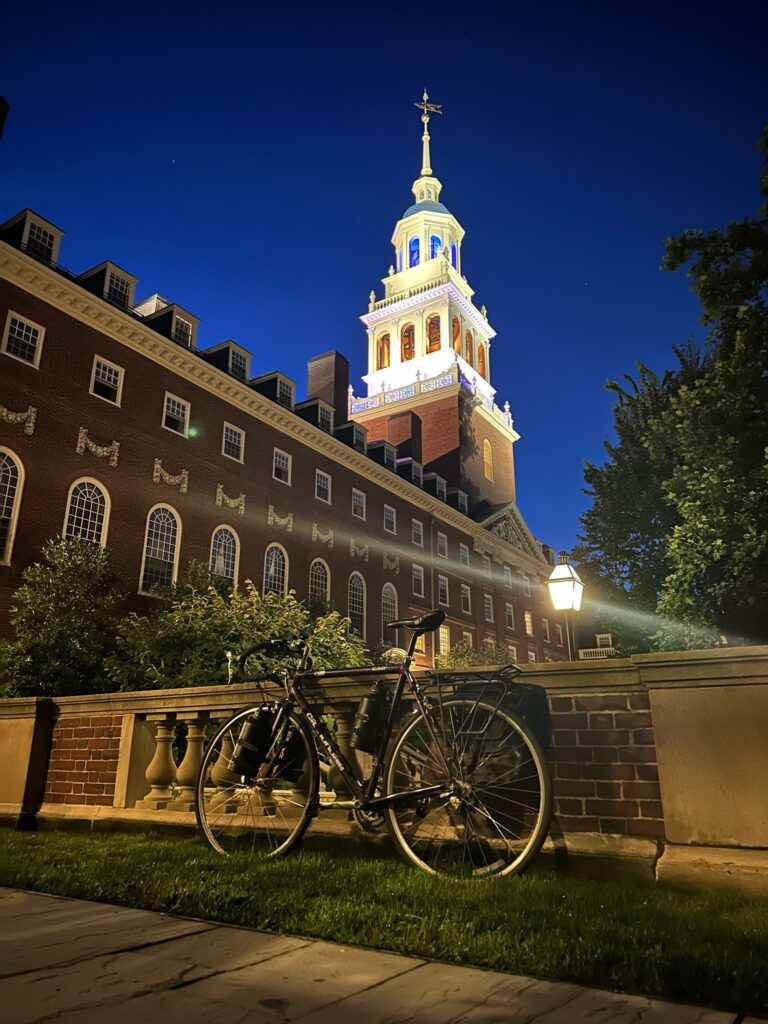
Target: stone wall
x,y
82,765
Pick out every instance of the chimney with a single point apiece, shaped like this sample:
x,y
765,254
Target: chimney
x,y
404,432
328,380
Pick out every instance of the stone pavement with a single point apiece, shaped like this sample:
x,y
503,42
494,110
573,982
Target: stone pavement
x,y
83,963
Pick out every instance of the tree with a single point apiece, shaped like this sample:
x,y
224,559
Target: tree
x,y
65,616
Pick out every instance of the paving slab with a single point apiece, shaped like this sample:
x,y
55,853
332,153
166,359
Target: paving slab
x,y
216,973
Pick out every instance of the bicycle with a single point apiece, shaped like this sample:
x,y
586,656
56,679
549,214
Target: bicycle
x,y
463,787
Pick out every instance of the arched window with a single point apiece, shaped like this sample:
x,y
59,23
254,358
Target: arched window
x,y
388,613
275,570
413,252
488,460
319,582
456,333
453,254
11,483
435,245
481,360
433,333
161,549
407,343
87,511
356,604
382,352
224,554
470,356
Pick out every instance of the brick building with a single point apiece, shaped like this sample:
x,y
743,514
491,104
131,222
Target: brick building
x,y
114,425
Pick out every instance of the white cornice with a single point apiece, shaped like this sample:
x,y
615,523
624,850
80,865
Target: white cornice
x,y
69,297
448,288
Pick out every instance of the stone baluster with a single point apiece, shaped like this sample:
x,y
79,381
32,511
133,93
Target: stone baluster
x,y
186,775
161,771
344,716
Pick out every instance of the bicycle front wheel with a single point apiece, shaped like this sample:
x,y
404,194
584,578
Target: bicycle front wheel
x,y
269,813
492,812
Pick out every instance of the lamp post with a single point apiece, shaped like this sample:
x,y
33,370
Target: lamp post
x,y
565,591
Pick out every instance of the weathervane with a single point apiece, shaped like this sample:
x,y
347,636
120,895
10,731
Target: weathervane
x,y
426,109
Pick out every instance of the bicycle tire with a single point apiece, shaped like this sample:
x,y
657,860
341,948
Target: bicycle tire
x,y
264,816
494,814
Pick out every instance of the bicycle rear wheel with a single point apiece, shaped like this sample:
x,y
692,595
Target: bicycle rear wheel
x,y
492,814
265,815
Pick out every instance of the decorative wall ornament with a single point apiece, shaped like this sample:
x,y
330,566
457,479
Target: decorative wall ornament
x,y
222,499
162,475
511,528
273,519
358,549
391,562
324,538
28,418
101,451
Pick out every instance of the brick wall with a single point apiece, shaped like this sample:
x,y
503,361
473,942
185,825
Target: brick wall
x,y
603,762
83,760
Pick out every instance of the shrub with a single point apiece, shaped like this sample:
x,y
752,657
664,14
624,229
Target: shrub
x,y
464,655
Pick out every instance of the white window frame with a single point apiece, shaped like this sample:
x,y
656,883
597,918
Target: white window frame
x,y
528,620
488,610
393,510
187,408
420,532
444,545
507,577
107,506
30,323
286,562
558,634
512,651
120,378
16,504
327,568
233,531
467,637
442,582
509,615
318,474
532,655
241,432
466,591
464,555
545,630
444,638
525,585
176,553
463,504
440,490
364,631
415,567
487,568
357,491
279,451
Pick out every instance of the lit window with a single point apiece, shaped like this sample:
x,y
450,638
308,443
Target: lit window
x,y
440,489
531,655
510,616
388,614
160,550
433,333
284,393
40,242
281,466
413,252
382,352
22,339
469,348
421,645
407,343
488,607
512,651
442,589
481,360
442,545
435,245
529,623
444,639
106,380
323,486
319,582
417,580
507,576
390,519
275,570
224,555
467,638
417,532
358,503
486,566
466,598
86,512
525,585
463,554
118,290
325,419
233,442
488,460
456,334
558,634
238,364
356,602
11,480
183,331
463,507
545,629
176,416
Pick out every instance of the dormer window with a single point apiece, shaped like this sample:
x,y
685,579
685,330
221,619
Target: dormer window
x,y
238,364
440,488
418,476
284,393
182,331
325,418
359,438
33,234
462,499
40,242
390,459
119,290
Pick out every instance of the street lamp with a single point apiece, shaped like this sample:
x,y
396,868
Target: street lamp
x,y
565,590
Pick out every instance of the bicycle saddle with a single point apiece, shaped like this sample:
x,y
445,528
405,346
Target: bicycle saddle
x,y
426,623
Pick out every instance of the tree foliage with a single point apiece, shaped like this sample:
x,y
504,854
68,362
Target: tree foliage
x,y
465,655
65,616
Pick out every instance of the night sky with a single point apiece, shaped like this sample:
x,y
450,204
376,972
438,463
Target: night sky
x,y
251,165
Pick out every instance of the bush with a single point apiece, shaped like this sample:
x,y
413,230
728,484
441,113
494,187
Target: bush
x,y
464,655
65,617
185,640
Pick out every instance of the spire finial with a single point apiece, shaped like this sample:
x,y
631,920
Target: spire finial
x,y
426,109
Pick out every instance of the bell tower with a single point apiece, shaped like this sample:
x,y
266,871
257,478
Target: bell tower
x,y
429,350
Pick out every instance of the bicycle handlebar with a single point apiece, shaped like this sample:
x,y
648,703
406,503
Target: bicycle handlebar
x,y
289,645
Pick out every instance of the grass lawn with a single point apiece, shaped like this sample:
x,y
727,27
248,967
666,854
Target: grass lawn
x,y
706,948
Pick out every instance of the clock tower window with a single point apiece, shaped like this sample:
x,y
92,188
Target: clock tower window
x,y
456,332
470,357
433,333
382,352
407,343
435,245
413,252
481,360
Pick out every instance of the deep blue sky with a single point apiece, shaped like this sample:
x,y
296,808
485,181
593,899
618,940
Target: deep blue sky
x,y
250,164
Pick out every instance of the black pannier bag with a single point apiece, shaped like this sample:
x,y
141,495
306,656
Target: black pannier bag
x,y
254,742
